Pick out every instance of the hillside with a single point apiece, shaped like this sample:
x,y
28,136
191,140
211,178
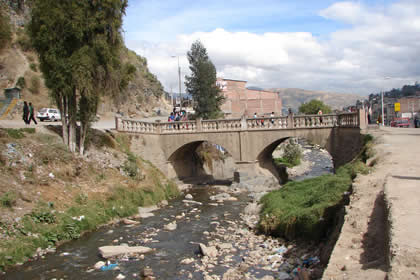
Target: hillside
x,y
294,97
19,62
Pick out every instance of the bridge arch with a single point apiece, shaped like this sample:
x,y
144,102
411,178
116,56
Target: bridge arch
x,y
187,163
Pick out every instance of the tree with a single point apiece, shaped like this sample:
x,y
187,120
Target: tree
x,y
313,106
78,44
202,83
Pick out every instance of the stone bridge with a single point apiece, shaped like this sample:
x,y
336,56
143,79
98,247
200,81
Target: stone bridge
x,y
171,145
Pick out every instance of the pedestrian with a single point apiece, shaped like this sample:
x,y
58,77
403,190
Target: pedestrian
x,y
31,114
25,112
272,118
320,114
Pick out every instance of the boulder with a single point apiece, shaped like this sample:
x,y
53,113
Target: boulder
x,y
111,251
210,252
188,196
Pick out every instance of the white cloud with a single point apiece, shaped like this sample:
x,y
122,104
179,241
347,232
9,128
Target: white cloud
x,y
378,42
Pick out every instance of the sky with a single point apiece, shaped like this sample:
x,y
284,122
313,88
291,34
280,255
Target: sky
x,y
358,47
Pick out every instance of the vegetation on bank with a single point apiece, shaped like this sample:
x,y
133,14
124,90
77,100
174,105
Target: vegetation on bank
x,y
61,195
306,209
292,155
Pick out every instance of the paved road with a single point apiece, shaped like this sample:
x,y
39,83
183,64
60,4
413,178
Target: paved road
x,y
105,123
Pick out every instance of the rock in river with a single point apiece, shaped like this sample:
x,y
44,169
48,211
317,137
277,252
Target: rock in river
x,y
111,251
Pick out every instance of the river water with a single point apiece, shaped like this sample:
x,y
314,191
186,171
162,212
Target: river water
x,y
207,223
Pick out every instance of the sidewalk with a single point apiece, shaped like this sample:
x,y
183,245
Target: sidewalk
x,y
390,195
402,192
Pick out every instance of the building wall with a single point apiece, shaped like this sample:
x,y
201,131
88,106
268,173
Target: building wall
x,y
409,104
242,101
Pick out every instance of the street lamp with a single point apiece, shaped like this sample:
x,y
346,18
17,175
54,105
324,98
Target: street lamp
x,y
179,82
382,97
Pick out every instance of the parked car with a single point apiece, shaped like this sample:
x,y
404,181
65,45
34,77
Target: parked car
x,y
401,122
49,114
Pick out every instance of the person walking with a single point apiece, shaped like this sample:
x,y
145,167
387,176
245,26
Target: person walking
x,y
31,114
25,112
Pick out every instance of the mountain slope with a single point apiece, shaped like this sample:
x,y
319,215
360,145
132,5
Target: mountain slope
x,y
294,97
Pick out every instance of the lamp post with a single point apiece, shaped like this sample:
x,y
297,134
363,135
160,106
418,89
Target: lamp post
x,y
179,83
382,97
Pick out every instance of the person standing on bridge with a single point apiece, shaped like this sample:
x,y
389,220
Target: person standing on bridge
x,y
31,114
320,113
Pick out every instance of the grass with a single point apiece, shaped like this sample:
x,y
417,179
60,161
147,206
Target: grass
x,y
19,133
307,209
45,226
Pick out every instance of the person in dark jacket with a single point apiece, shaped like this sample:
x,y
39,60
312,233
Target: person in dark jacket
x,y
31,114
25,112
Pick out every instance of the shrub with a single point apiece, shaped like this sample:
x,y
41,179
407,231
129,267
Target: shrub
x,y
35,84
292,153
21,83
33,67
130,166
23,40
8,199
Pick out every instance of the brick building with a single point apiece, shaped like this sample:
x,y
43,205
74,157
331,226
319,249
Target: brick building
x,y
409,104
243,101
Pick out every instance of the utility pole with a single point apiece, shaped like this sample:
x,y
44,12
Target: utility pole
x,y
382,98
179,82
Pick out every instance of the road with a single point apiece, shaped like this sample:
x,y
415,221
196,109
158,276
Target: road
x,y
102,124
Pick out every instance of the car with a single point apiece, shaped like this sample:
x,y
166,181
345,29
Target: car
x,y
401,122
50,114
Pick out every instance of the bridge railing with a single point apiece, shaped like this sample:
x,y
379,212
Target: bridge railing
x,y
268,123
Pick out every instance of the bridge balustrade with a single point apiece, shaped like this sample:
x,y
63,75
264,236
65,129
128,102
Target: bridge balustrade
x,y
274,123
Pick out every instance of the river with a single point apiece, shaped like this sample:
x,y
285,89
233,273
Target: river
x,y
240,252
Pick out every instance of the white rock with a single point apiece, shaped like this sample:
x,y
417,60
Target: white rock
x,y
187,261
170,226
192,202
130,222
111,251
99,264
210,251
120,276
188,196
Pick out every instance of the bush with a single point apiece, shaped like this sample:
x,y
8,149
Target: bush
x,y
8,199
21,83
33,67
292,154
24,41
130,166
35,85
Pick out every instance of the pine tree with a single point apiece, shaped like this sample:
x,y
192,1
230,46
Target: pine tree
x,y
202,83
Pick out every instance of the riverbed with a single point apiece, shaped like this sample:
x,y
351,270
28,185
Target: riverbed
x,y
239,253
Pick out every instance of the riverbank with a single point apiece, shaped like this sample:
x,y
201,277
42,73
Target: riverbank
x,y
49,196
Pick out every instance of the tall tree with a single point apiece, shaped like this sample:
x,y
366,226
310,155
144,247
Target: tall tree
x,y
202,83
313,107
78,44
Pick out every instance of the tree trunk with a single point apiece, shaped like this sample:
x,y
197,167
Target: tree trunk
x,y
83,133
72,106
62,105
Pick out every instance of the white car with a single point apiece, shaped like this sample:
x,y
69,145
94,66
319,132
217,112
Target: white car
x,y
50,114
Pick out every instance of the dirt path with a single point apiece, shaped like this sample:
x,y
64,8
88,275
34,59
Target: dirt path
x,y
385,206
